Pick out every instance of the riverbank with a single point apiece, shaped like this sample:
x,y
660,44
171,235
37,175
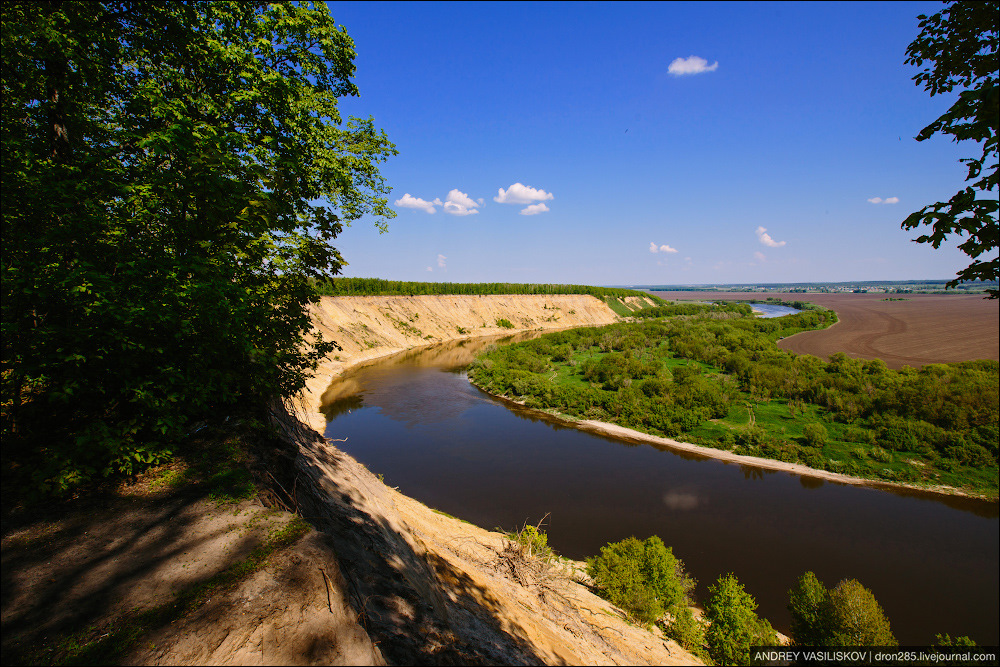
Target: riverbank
x,y
632,435
427,584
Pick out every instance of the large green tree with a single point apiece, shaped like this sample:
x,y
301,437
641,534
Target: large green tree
x,y
173,175
959,47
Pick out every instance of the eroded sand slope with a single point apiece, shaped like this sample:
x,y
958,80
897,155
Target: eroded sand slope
x,y
426,585
367,327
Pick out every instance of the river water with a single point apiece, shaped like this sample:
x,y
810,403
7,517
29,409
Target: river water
x,y
931,561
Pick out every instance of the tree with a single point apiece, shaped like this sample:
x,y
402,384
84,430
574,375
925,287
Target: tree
x,y
173,176
643,578
848,615
734,624
960,44
805,604
851,616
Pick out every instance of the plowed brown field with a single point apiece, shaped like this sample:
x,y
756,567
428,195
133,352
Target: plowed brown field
x,y
924,329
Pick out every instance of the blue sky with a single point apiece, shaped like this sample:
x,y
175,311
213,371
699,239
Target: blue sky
x,y
801,115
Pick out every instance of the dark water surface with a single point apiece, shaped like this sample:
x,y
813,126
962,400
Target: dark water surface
x,y
931,561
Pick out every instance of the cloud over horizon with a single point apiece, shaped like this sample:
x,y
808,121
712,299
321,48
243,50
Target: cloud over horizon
x,y
691,65
662,248
766,239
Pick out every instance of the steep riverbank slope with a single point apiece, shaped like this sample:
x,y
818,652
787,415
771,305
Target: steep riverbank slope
x,y
368,327
425,584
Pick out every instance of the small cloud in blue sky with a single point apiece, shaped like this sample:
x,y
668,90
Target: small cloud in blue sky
x,y
409,201
459,203
887,200
521,194
661,248
691,65
766,239
534,209
440,263
759,256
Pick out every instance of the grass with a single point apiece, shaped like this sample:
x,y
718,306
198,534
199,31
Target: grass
x,y
218,464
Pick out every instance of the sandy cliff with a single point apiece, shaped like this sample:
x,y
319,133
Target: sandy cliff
x,y
368,327
429,587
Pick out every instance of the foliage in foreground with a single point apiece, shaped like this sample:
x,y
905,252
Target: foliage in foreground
x,y
173,174
644,578
960,43
733,623
649,583
847,615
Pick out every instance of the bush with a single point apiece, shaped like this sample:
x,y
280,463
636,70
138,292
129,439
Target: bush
x,y
534,540
505,323
815,434
687,631
643,578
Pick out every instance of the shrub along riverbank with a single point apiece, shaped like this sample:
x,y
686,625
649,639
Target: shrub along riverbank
x,y
713,375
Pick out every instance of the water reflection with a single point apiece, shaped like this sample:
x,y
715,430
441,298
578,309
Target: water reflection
x,y
679,500
810,482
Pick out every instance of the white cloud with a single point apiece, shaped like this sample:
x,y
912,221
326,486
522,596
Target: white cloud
x,y
429,268
887,200
691,65
875,200
534,209
766,239
892,200
459,203
441,259
409,201
760,256
663,248
521,194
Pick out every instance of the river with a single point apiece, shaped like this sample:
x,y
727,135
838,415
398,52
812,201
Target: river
x,y
931,561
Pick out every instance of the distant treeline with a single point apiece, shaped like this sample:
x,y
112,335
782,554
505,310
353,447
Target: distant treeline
x,y
714,374
380,287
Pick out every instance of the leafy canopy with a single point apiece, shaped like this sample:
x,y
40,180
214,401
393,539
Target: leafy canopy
x,y
642,577
173,176
959,45
847,615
